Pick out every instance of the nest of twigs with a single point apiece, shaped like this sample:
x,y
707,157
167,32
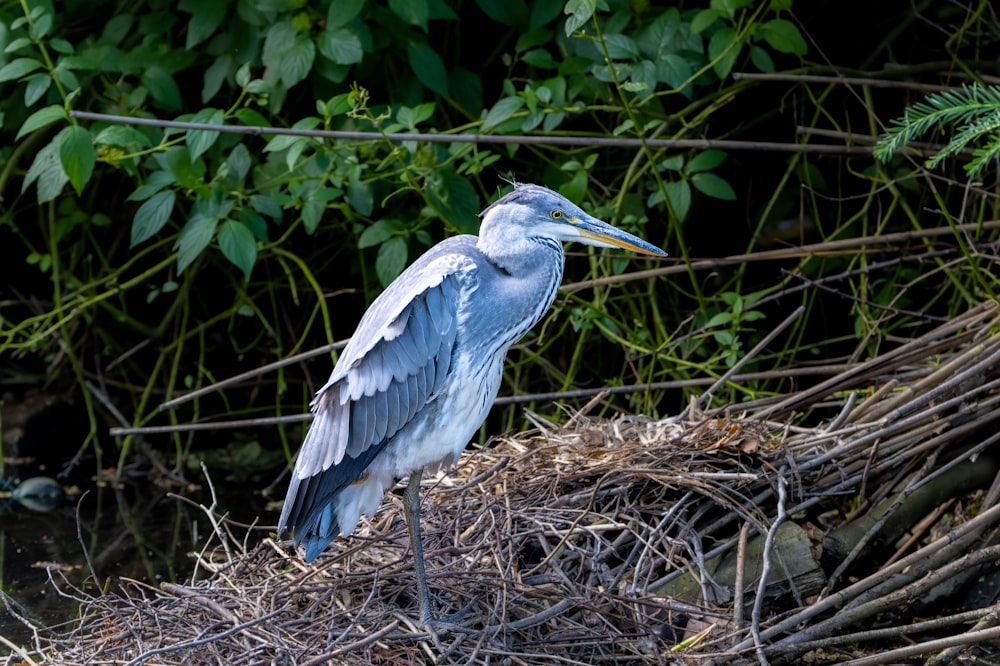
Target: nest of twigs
x,y
708,538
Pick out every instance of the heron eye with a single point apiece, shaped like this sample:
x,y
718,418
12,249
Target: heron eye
x,y
556,214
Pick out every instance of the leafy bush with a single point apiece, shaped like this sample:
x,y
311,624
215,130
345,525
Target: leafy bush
x,y
216,247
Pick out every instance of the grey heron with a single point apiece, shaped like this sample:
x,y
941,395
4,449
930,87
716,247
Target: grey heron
x,y
421,371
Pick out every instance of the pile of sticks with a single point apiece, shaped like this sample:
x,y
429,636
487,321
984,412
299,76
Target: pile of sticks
x,y
866,538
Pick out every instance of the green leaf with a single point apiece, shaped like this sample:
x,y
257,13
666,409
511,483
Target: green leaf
x,y
723,48
502,111
340,45
206,17
78,157
414,12
152,216
285,141
17,44
194,238
578,13
576,187
312,213
238,245
122,136
513,13
154,183
297,62
41,118
199,141
342,11
255,223
719,319
391,260
239,162
428,66
216,75
380,232
360,196
705,161
702,20
540,58
674,70
41,26
679,194
162,87
17,68
37,85
265,205
47,169
413,117
177,160
782,35
714,186
621,47
456,200
544,12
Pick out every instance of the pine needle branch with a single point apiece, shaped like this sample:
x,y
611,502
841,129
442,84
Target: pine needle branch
x,y
974,109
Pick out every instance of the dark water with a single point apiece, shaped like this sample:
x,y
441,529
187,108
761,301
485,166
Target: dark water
x,y
95,537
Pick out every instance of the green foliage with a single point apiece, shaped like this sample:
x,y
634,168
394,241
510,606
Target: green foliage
x,y
239,239
975,110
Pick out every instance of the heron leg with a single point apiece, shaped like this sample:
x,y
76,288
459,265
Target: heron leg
x,y
411,507
411,504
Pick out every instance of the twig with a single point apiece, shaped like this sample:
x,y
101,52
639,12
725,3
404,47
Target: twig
x,y
250,374
765,570
19,651
187,645
706,397
987,621
535,139
893,656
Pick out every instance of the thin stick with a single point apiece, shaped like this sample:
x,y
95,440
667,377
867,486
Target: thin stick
x,y
547,140
707,395
249,374
765,569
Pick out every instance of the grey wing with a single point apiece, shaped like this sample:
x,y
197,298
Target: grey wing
x,y
376,389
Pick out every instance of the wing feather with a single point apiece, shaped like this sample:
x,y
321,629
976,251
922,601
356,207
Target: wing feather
x,y
396,362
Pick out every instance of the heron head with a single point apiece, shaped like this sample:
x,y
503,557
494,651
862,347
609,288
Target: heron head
x,y
536,211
